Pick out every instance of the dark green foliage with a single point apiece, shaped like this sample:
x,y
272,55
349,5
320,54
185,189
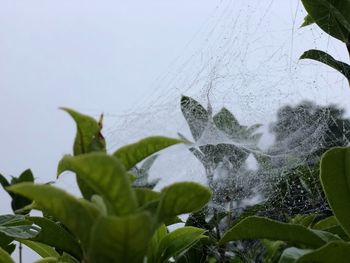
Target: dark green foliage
x,y
332,16
310,241
18,202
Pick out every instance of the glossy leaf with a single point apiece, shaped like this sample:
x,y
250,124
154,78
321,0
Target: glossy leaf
x,y
196,116
120,239
132,154
178,241
331,16
106,176
54,235
327,59
263,228
338,252
77,215
182,198
335,177
5,257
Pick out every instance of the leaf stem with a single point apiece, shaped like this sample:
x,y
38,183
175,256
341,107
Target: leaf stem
x,y
20,252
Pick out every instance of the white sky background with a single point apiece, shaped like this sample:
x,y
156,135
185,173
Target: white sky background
x,y
119,57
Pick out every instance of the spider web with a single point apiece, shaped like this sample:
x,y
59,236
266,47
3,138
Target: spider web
x,y
246,60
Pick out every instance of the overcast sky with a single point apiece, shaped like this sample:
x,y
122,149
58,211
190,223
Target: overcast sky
x,y
105,56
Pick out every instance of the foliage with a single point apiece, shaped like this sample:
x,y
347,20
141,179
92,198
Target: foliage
x,y
222,145
18,201
298,128
114,222
302,134
333,18
314,241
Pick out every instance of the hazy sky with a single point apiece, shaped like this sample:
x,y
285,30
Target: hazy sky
x,y
104,56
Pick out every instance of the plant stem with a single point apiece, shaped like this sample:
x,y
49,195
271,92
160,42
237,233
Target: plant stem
x,y
20,252
348,45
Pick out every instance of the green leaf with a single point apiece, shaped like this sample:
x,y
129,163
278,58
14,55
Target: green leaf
x,y
77,214
106,176
337,251
196,116
273,250
153,248
335,178
145,195
178,241
6,220
132,154
332,16
227,122
16,226
100,204
5,257
3,181
304,220
18,201
263,228
62,259
292,254
49,260
54,235
26,176
308,20
182,198
88,139
326,223
5,240
120,239
327,59
40,248
9,248
26,231
131,177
